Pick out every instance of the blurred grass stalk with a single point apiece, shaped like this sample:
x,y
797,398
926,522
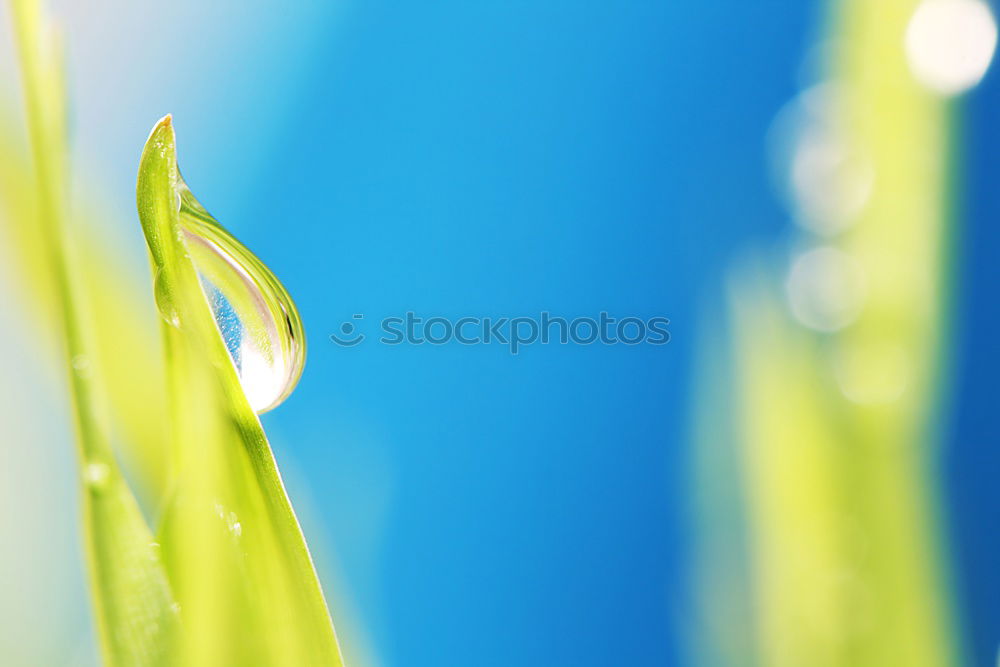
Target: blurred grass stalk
x,y
234,564
841,560
130,591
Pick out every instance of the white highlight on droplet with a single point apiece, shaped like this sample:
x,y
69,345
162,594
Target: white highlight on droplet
x,y
950,43
825,289
262,378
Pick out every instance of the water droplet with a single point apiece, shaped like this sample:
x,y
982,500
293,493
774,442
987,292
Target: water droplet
x,y
81,365
232,521
255,315
95,476
950,43
825,289
154,551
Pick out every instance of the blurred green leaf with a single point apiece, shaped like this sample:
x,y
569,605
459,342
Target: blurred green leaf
x,y
134,606
835,426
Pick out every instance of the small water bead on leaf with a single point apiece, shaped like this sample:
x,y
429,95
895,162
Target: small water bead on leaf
x,y
232,521
95,476
255,315
81,365
234,525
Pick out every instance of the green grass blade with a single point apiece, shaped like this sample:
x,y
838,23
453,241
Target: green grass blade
x,y
236,557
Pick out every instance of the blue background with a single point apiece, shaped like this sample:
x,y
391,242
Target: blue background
x,y
498,159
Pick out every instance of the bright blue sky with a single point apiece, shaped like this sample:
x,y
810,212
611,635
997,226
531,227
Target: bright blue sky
x,y
497,158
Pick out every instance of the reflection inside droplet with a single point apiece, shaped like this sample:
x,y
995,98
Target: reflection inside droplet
x,y
950,43
251,331
825,289
226,319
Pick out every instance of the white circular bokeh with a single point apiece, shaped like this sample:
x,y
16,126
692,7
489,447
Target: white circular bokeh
x,y
950,43
825,289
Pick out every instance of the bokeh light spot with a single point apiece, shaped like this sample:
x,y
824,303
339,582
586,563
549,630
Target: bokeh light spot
x,y
950,43
825,289
826,179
